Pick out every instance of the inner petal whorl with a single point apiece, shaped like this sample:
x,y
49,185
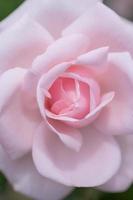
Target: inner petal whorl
x,y
69,97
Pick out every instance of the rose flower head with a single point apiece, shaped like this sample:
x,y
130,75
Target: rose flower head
x,y
66,101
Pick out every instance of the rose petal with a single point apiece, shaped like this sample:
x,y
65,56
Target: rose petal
x,y
96,162
25,179
124,178
55,15
95,58
19,46
106,99
116,118
46,81
90,89
63,50
10,82
104,28
71,137
17,125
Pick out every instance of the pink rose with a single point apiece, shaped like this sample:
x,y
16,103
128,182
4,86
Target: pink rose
x,y
65,98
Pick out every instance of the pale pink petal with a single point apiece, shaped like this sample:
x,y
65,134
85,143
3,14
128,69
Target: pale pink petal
x,y
96,162
89,88
46,81
55,15
71,137
104,28
62,87
63,50
95,60
85,92
105,100
17,124
24,178
19,46
9,83
117,118
124,178
88,92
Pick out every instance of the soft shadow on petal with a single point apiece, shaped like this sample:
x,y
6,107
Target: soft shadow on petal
x,y
54,15
24,178
21,43
17,125
71,137
124,178
95,58
96,162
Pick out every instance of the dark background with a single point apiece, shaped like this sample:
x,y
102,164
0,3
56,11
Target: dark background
x,y
6,192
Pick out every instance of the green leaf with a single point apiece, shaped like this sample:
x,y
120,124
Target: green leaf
x,y
7,6
84,194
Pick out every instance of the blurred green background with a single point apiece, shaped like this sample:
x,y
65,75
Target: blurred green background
x,y
6,192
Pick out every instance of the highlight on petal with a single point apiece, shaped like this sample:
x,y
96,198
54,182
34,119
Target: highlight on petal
x,y
97,161
116,118
54,15
71,137
17,125
95,60
24,178
112,32
94,57
19,46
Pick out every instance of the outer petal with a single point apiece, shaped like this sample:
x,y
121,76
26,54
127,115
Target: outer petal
x,y
55,15
95,60
63,50
71,137
104,28
10,82
96,162
17,125
124,178
21,43
116,118
25,179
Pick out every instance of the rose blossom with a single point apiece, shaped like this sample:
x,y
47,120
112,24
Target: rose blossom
x,y
66,97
